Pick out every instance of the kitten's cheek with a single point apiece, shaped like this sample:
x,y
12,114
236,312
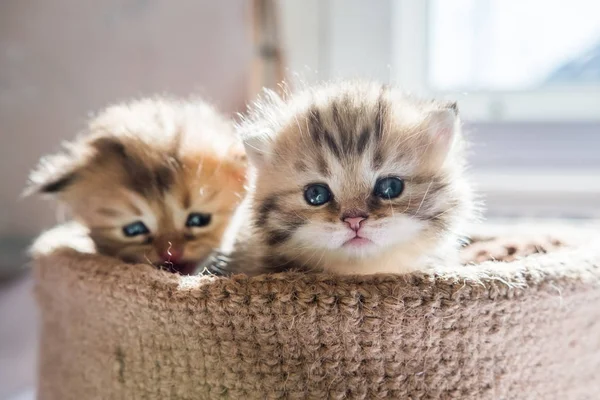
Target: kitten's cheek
x,y
322,237
197,253
397,231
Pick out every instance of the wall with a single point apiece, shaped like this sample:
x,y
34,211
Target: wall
x,y
62,59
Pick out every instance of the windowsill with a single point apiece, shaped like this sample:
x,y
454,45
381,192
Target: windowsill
x,y
531,181
572,194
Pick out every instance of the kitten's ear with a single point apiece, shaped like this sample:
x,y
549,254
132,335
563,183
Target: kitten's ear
x,y
257,127
258,149
442,127
238,162
53,175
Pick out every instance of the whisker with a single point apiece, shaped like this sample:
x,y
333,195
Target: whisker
x,y
442,213
150,262
408,205
423,200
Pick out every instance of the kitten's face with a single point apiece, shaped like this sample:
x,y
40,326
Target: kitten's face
x,y
355,172
154,182
175,226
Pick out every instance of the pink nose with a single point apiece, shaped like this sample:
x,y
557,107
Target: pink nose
x,y
354,222
173,255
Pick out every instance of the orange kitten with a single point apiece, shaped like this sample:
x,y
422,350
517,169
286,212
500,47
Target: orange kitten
x,y
353,178
155,181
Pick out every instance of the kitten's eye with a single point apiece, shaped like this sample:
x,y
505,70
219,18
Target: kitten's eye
x,y
197,220
389,188
317,194
135,228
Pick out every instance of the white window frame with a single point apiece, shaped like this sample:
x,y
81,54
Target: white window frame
x,y
410,41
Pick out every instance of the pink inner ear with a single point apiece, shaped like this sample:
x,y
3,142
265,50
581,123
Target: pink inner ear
x,y
441,126
443,133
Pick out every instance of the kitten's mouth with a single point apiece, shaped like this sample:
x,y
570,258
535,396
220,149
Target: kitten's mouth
x,y
183,268
357,241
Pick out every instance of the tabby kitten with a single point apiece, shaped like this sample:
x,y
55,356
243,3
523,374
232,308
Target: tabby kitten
x,y
353,178
155,181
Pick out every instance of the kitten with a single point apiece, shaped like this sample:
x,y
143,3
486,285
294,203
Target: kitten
x,y
155,181
354,178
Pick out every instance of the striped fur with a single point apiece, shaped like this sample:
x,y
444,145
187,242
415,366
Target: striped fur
x,y
154,161
347,135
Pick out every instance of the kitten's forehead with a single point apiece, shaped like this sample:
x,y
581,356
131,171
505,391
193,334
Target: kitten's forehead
x,y
355,129
345,138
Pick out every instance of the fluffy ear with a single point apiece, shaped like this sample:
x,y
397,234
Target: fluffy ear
x,y
258,125
258,149
53,175
237,162
442,127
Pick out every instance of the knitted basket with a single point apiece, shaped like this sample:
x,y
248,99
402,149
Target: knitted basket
x,y
524,329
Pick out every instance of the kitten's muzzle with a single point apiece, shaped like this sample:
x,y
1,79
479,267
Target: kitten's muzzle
x,y
173,254
169,251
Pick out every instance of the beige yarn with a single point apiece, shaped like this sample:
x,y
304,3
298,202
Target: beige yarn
x,y
529,329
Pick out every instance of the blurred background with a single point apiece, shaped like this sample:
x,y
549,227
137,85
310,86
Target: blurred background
x,y
526,74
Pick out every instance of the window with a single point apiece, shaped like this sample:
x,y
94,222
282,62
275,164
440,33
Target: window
x,y
510,60
493,45
526,74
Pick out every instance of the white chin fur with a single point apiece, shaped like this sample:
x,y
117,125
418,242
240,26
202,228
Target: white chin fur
x,y
390,232
395,246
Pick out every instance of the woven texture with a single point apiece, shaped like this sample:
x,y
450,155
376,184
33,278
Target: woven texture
x,y
520,330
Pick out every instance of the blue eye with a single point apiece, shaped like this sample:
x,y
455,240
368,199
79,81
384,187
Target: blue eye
x,y
317,194
135,228
198,220
389,188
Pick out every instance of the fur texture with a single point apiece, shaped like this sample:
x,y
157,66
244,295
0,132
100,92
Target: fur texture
x,y
347,137
154,161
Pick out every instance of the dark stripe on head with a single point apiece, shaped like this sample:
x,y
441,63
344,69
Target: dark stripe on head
x,y
319,134
347,141
337,118
363,141
164,176
141,178
187,199
110,149
316,127
377,161
331,143
322,165
346,136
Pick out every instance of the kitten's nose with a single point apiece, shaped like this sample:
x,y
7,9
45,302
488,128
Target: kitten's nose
x,y
172,254
354,222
